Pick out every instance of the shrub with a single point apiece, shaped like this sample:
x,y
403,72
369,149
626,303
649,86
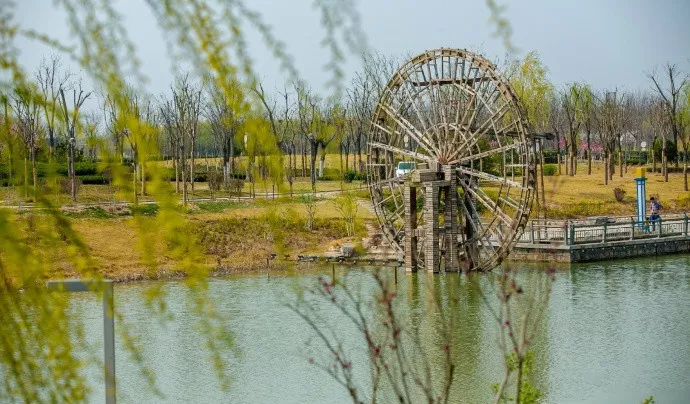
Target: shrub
x,y
66,185
515,171
550,169
682,201
16,181
200,176
80,168
352,175
330,174
215,180
94,179
671,150
619,194
145,210
234,185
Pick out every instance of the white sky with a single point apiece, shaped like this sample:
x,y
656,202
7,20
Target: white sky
x,y
605,43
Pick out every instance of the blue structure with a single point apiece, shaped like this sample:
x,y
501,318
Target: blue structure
x,y
641,197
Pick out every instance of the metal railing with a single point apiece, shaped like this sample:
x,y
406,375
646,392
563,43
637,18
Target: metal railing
x,y
602,230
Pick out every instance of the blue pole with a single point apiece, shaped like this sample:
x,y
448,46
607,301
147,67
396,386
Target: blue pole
x,y
641,200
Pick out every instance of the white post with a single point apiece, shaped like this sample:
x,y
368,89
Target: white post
x,y
78,285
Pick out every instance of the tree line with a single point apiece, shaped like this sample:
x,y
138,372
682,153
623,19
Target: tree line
x,y
285,134
588,123
280,135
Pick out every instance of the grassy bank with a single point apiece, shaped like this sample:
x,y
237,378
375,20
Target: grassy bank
x,y
587,195
234,236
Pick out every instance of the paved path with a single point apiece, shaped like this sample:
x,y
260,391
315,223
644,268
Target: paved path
x,y
267,195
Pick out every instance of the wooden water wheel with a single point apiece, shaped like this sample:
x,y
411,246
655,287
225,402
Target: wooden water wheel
x,y
451,167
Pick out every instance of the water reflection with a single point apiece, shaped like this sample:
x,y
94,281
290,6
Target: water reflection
x,y
612,332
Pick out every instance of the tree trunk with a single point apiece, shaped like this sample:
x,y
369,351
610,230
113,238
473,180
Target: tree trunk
x,y
183,168
606,169
304,160
312,164
34,170
347,161
134,180
573,161
191,168
566,163
294,160
177,174
290,172
26,178
143,178
620,161
71,168
685,169
231,142
359,153
664,161
322,162
51,141
589,154
558,153
226,160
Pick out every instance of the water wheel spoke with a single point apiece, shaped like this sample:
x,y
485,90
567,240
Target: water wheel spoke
x,y
409,129
489,177
483,129
487,153
490,205
478,228
408,153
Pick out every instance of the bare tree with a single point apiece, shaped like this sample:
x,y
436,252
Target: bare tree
x,y
288,137
51,81
140,132
91,139
671,96
572,101
28,125
224,126
611,119
276,128
79,96
306,109
684,125
181,120
9,140
362,96
168,115
113,127
187,95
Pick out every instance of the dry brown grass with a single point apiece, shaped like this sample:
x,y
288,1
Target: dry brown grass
x,y
564,192
237,238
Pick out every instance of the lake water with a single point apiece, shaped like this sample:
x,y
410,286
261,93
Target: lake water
x,y
613,332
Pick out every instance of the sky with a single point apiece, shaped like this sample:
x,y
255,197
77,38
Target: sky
x,y
606,43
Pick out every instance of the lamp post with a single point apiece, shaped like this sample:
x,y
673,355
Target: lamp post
x,y
78,285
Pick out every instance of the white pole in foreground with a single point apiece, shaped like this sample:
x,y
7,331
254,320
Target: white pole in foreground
x,y
78,285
